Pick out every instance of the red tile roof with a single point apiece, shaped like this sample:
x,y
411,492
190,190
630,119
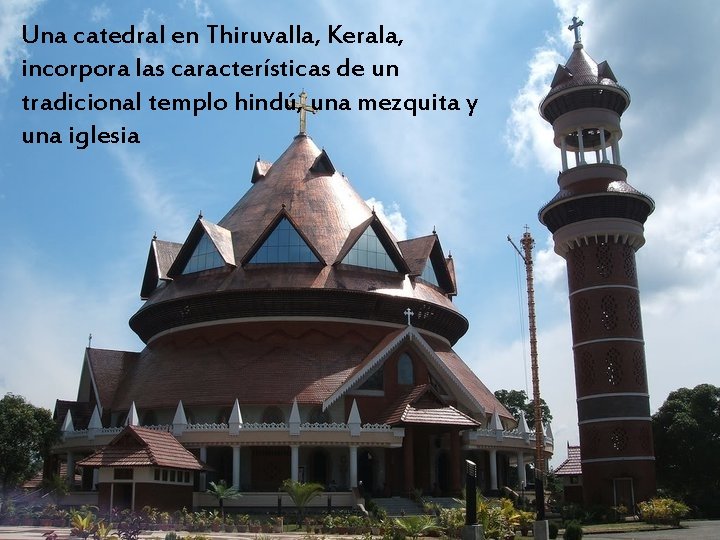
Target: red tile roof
x,y
572,466
422,405
142,447
108,370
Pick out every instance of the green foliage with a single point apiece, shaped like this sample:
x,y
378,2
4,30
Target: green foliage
x,y
573,531
171,536
26,435
82,524
517,400
222,493
415,526
663,511
552,530
686,431
301,493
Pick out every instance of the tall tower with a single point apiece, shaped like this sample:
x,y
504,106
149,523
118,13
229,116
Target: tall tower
x,y
597,220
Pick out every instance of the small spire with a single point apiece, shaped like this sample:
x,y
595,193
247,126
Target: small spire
x,y
449,254
283,205
575,27
89,341
434,230
200,216
155,235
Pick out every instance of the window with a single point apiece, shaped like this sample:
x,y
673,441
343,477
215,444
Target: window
x,y
204,257
123,474
428,274
405,370
374,382
157,475
284,245
369,252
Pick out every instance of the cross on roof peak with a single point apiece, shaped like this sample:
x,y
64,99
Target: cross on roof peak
x,y
575,27
303,108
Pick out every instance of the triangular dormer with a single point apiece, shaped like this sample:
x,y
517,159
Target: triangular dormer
x,y
562,74
427,262
282,242
160,258
323,165
208,246
370,245
260,170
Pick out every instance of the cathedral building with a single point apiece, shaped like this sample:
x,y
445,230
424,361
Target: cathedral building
x,y
297,338
597,221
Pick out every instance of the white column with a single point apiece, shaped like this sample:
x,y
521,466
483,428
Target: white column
x,y
96,479
563,154
353,467
203,475
294,462
616,153
236,467
493,470
602,145
521,468
581,147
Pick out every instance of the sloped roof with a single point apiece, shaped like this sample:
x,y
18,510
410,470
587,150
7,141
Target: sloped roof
x,y
219,236
417,252
160,257
108,368
572,466
81,412
421,405
142,447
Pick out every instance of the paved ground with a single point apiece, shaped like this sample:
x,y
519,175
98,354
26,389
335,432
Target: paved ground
x,y
692,530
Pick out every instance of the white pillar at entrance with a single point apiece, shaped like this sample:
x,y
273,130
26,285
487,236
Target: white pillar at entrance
x,y
521,469
353,467
236,467
70,473
203,475
294,462
493,470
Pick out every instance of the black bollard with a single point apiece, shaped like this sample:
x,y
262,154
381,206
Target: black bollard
x,y
470,493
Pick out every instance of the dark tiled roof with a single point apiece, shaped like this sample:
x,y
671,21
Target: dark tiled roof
x,y
142,447
160,257
108,369
572,466
416,252
81,412
582,70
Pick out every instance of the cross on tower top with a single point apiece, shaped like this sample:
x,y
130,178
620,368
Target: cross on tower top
x,y
409,314
575,27
303,108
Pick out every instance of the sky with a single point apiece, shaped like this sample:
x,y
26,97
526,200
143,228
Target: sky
x,y
77,223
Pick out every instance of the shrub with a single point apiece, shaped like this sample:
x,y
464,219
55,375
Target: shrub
x,y
663,511
552,530
573,531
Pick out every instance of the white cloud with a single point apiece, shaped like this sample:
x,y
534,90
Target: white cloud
x,y
13,14
202,9
100,13
391,217
149,193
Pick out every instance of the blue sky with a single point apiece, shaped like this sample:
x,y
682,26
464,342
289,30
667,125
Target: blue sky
x,y
77,223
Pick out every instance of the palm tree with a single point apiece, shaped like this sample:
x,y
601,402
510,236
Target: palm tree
x,y
223,492
301,494
415,526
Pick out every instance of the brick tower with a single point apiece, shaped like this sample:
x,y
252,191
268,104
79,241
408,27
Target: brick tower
x,y
597,220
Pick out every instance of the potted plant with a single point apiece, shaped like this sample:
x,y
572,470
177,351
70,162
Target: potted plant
x,y
254,526
241,522
277,524
229,524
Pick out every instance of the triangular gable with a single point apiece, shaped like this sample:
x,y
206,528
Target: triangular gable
x,y
605,72
260,169
370,245
282,242
384,350
216,251
323,165
160,258
426,260
102,373
562,74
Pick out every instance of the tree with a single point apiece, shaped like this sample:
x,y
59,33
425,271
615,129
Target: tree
x,y
26,435
301,494
222,493
517,400
686,430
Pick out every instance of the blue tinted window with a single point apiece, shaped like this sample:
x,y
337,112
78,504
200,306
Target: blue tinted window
x,y
204,257
284,245
405,369
369,252
428,274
